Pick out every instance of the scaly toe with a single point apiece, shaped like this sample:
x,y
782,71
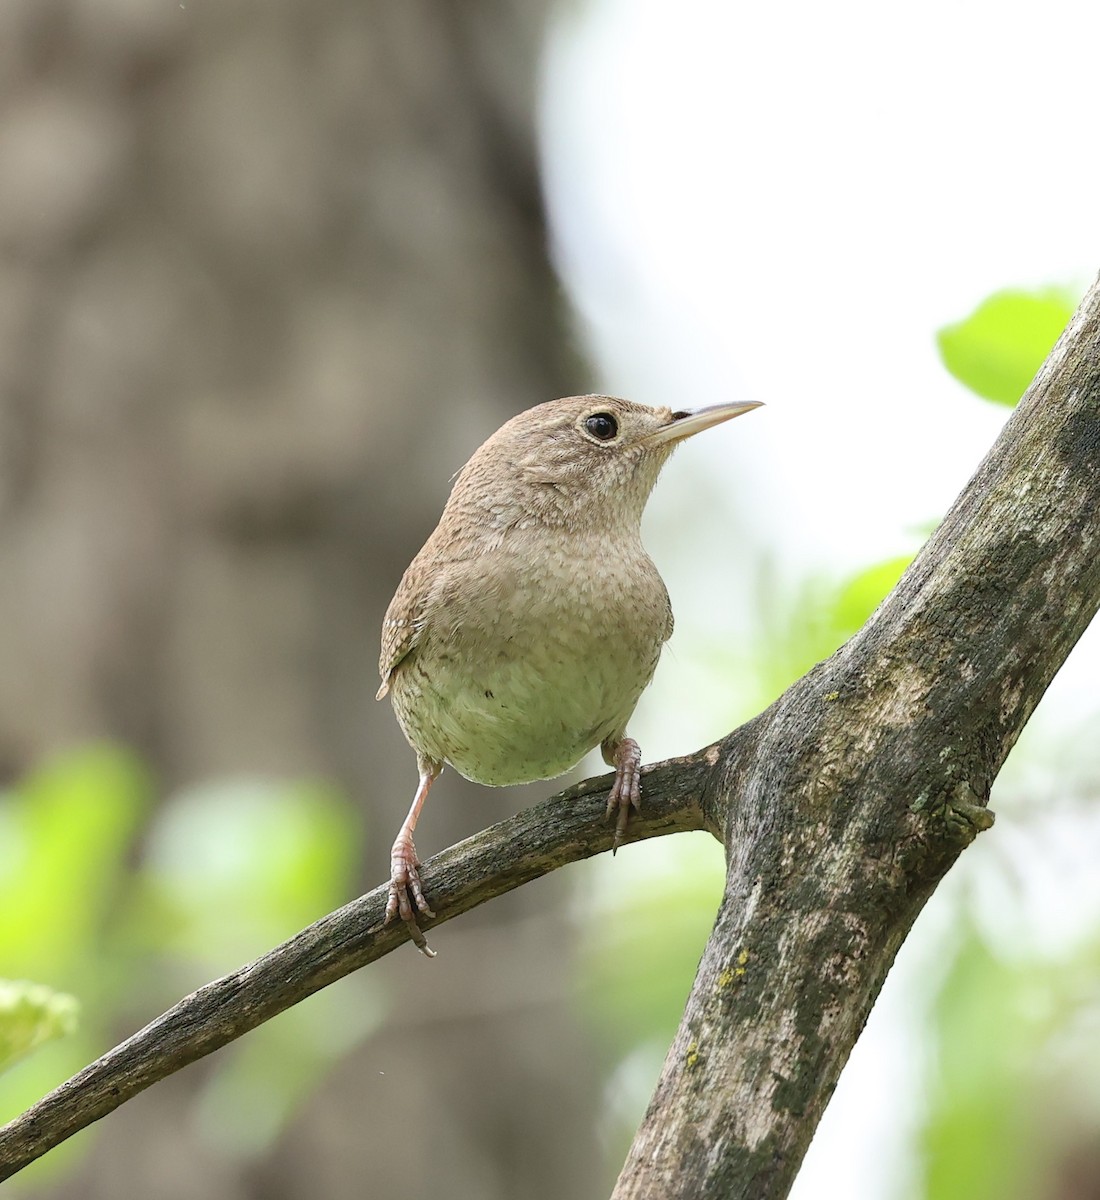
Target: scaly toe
x,y
405,878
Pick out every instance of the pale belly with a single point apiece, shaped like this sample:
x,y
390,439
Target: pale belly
x,y
508,724
531,704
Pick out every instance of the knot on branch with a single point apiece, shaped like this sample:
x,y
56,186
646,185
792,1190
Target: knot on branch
x,y
945,822
956,816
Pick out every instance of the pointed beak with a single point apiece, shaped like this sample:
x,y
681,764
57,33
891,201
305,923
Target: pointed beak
x,y
688,421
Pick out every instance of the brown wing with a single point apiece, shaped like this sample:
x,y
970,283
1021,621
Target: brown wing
x,y
402,625
418,596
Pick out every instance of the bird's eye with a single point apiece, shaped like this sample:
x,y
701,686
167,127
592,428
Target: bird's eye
x,y
602,425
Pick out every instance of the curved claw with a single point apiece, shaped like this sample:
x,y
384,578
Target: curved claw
x,y
405,877
626,791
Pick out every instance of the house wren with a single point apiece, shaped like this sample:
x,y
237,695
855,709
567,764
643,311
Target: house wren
x,y
523,633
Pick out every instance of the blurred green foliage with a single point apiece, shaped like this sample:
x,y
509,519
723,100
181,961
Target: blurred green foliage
x,y
997,349
30,1015
65,836
664,894
126,905
802,629
1014,1097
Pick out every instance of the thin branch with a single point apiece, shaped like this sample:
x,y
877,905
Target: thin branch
x,y
566,828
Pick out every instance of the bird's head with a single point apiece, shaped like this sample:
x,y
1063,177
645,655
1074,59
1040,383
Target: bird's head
x,y
584,460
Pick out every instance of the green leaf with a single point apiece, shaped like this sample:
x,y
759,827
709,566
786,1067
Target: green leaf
x,y
998,348
31,1014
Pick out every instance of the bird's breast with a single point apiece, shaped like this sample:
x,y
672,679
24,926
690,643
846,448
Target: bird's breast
x,y
529,660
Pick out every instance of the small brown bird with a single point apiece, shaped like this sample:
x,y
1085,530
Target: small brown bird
x,y
523,633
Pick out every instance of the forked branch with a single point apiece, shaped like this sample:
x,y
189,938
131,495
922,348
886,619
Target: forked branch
x,y
841,807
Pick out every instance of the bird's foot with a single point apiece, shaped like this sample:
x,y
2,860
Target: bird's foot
x,y
626,791
405,878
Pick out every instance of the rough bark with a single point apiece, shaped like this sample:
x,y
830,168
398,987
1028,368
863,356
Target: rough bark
x,y
841,808
860,787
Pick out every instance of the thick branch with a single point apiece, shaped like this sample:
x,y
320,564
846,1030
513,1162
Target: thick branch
x,y
866,780
841,807
564,829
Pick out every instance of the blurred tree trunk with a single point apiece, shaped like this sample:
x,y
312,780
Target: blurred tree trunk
x,y
270,273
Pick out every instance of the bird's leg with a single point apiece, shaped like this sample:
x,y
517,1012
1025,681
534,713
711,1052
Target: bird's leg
x,y
625,756
404,873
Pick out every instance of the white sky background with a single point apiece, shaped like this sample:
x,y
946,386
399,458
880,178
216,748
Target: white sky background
x,y
783,202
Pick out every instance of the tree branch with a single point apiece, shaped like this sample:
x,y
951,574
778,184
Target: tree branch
x,y
841,807
566,828
867,779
